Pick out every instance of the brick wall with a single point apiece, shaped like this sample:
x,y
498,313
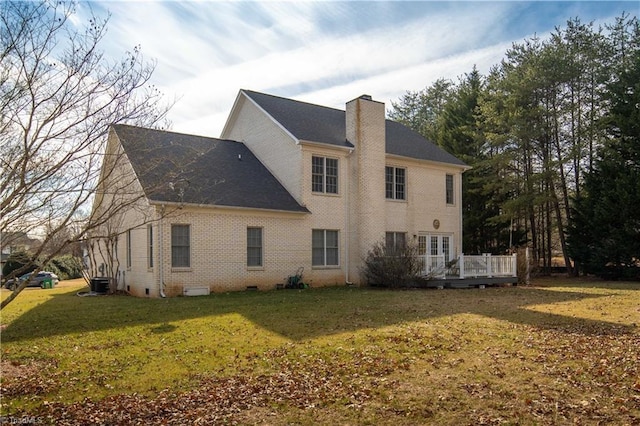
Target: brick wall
x,y
219,250
359,212
269,143
426,202
365,128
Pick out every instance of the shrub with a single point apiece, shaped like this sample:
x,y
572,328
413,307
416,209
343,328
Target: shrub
x,y
17,261
66,267
392,267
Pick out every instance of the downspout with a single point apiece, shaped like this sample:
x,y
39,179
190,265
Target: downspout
x,y
347,221
161,252
461,224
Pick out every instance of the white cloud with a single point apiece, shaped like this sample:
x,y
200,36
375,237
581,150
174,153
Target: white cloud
x,y
383,61
321,52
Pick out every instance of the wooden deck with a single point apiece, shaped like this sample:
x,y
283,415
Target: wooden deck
x,y
470,271
480,282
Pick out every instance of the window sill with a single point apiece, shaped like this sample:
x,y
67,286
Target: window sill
x,y
320,267
395,200
325,194
255,268
181,269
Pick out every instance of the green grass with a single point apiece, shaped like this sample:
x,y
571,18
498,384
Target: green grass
x,y
560,352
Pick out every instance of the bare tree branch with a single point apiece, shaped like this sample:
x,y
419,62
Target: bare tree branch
x,y
59,94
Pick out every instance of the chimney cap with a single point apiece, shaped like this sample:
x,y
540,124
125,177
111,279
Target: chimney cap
x,y
366,97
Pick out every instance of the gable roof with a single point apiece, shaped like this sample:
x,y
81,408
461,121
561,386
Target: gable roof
x,y
322,124
212,171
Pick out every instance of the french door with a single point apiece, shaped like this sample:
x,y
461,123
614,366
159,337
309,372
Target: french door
x,y
436,245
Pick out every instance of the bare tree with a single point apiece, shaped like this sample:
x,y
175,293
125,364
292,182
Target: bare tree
x,y
58,95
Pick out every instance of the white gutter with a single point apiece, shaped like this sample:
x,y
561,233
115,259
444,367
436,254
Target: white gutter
x,y
347,221
324,145
464,168
163,204
161,252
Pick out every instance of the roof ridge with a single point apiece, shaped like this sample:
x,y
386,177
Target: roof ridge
x,y
173,132
292,100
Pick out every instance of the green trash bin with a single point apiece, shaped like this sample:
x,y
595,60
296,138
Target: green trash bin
x,y
47,283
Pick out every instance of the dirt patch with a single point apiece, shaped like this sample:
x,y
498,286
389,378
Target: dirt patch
x,y
30,379
11,370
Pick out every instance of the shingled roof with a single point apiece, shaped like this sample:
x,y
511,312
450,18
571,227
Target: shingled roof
x,y
322,124
210,171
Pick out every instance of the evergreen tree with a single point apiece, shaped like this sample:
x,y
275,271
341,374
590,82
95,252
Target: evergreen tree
x,y
485,228
604,236
421,111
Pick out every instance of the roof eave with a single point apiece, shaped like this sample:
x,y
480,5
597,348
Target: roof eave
x,y
221,207
463,167
325,145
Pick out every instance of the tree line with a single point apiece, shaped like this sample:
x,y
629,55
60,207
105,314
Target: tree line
x,y
552,134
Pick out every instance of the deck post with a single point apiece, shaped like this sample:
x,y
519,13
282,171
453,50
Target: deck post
x,y
514,265
487,257
461,266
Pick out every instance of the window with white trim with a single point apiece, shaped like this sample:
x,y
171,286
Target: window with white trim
x,y
395,183
325,250
254,247
180,246
324,175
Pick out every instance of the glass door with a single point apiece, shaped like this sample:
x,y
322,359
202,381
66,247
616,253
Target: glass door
x,y
436,245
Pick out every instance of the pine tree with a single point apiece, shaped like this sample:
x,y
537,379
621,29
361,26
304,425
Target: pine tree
x,y
605,233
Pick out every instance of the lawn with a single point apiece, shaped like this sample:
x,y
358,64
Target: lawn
x,y
559,352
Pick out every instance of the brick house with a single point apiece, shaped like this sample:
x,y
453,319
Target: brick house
x,y
287,185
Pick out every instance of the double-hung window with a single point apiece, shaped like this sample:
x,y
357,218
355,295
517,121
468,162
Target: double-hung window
x,y
129,248
395,183
395,241
449,189
180,246
150,246
325,248
254,247
324,175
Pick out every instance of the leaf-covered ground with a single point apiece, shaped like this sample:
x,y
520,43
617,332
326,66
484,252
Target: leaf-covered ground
x,y
547,355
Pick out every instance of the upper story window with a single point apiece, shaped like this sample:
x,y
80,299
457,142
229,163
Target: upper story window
x,y
395,183
324,175
449,189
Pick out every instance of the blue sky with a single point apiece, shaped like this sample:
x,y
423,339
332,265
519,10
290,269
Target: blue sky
x,y
325,52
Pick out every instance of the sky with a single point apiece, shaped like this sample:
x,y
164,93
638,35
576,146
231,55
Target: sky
x,y
323,52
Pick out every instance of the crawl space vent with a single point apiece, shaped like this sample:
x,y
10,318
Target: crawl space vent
x,y
196,291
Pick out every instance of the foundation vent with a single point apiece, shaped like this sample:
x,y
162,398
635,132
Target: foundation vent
x,y
196,291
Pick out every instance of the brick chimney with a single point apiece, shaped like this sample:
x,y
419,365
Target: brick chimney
x,y
365,129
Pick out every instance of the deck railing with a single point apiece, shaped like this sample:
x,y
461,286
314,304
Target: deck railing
x,y
468,266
